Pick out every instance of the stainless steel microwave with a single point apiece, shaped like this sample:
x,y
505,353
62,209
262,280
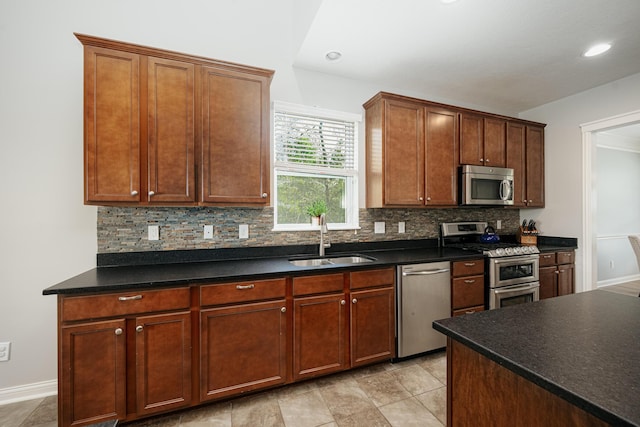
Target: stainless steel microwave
x,y
486,185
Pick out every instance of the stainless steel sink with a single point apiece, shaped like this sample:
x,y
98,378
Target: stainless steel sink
x,y
347,259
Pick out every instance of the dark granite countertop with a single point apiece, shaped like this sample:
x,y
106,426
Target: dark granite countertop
x,y
583,347
155,270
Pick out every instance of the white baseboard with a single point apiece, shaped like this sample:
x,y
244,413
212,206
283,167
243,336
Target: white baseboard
x,y
618,280
28,392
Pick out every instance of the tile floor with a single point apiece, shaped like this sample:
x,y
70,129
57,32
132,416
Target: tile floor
x,y
408,393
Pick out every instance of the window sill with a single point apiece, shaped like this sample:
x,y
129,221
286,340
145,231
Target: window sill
x,y
330,228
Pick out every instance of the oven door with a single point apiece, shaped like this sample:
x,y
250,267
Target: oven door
x,y
513,270
512,295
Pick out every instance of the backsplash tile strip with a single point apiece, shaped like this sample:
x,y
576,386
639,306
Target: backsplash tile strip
x,y
124,229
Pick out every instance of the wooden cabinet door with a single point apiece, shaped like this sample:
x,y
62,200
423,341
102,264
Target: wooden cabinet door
x,y
548,282
319,335
403,153
495,145
372,326
171,131
163,362
243,348
92,372
471,139
566,279
111,126
516,160
235,151
535,166
441,157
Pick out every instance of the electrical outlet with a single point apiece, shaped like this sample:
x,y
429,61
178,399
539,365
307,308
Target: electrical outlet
x,y
5,351
243,231
611,265
208,231
378,227
498,224
401,227
154,232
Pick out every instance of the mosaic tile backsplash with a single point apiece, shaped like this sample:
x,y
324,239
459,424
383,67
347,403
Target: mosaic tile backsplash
x,y
124,229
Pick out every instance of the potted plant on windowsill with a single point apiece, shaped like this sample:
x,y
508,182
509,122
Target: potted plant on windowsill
x,y
315,209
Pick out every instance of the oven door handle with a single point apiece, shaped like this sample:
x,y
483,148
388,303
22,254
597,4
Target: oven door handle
x,y
425,272
516,289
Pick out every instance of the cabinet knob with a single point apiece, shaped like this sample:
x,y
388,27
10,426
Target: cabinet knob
x,y
482,160
139,328
134,193
283,309
530,201
524,201
487,161
428,198
264,195
343,302
118,331
421,198
151,193
354,301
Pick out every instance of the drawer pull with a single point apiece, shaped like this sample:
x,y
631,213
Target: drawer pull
x,y
131,298
470,281
469,312
251,286
546,256
469,264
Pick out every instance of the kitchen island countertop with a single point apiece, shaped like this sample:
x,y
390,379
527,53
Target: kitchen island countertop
x,y
583,348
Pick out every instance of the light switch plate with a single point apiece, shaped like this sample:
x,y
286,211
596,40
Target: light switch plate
x,y
154,232
243,231
208,231
401,227
378,227
5,350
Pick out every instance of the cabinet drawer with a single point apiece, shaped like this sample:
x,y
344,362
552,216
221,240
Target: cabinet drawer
x,y
318,284
372,278
256,290
565,257
468,310
123,303
470,267
547,259
467,291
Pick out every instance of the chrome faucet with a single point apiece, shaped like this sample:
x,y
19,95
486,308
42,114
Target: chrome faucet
x,y
323,230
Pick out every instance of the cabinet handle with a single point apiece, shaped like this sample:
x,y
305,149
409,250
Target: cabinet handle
x,y
264,195
139,328
131,298
561,271
355,301
487,161
482,160
151,193
469,312
343,302
546,256
283,309
251,286
421,198
470,281
118,331
469,264
134,193
428,198
530,201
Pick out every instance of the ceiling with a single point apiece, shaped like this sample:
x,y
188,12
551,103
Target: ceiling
x,y
505,56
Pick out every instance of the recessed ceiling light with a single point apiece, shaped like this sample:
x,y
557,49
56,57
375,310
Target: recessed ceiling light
x,y
334,55
597,49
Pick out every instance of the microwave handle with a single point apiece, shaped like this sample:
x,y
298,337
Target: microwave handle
x,y
505,189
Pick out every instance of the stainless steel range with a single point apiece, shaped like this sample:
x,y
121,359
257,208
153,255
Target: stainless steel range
x,y
511,273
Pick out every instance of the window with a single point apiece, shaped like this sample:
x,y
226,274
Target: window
x,y
315,158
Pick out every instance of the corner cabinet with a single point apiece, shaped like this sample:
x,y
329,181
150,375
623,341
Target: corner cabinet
x,y
170,129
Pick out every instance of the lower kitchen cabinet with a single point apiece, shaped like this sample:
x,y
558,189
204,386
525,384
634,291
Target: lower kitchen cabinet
x,y
467,287
319,325
134,364
557,274
243,348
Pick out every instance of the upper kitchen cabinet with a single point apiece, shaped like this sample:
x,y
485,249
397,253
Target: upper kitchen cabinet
x,y
235,142
411,153
482,140
165,128
525,155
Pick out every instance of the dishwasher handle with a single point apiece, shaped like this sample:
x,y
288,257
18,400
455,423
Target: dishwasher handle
x,y
425,272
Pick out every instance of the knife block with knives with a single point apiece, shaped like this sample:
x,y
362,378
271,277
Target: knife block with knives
x,y
528,233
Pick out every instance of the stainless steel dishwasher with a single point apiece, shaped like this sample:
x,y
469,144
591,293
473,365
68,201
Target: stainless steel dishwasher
x,y
424,295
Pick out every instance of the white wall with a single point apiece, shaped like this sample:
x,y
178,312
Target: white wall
x,y
563,212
